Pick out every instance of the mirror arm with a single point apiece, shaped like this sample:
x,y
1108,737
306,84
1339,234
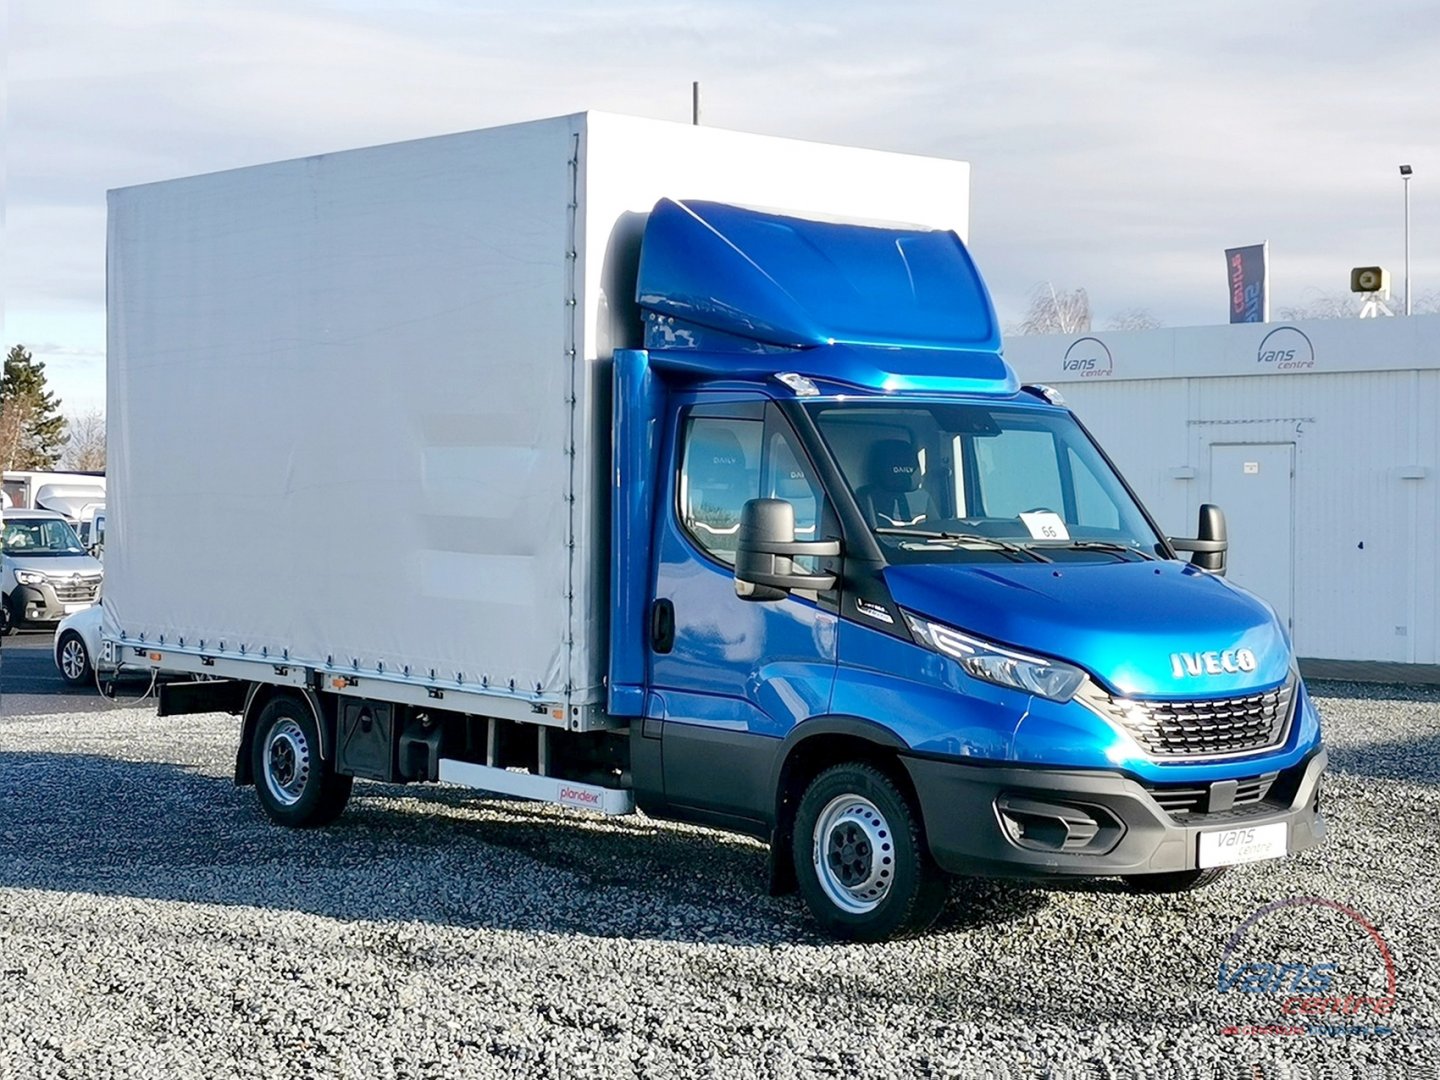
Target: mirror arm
x,y
789,582
1205,547
819,548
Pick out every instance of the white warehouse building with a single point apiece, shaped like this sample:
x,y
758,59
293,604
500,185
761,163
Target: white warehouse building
x,y
1318,439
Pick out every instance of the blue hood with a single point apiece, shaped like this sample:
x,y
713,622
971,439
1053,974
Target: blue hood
x,y
1122,622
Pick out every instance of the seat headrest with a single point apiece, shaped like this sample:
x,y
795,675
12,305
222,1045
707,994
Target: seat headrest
x,y
716,460
792,481
894,465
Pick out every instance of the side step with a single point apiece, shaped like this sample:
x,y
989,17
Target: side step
x,y
541,788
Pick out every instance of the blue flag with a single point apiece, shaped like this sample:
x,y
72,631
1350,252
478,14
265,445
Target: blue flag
x,y
1249,270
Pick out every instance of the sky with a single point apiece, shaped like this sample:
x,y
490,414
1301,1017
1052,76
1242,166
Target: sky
x,y
1118,147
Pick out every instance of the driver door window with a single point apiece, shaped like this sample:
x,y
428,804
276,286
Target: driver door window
x,y
729,460
719,474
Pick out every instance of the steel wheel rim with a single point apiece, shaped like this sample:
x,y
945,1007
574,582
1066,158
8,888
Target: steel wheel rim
x,y
73,660
854,854
287,762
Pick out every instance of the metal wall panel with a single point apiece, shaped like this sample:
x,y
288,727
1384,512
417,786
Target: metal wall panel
x,y
1363,421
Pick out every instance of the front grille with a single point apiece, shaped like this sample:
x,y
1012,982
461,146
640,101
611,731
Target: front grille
x,y
1215,727
1179,800
82,590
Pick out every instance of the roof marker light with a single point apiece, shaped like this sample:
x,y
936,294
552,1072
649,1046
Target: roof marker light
x,y
1049,393
802,386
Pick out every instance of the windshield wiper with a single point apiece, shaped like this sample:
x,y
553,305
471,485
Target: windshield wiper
x,y
1104,545
975,538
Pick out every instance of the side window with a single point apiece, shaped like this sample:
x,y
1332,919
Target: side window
x,y
788,475
1018,471
1093,506
719,473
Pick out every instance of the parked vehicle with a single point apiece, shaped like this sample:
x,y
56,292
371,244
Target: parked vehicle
x,y
67,493
79,655
91,530
45,572
77,646
734,515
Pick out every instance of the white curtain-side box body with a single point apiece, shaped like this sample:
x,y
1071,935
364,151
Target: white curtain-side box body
x,y
358,403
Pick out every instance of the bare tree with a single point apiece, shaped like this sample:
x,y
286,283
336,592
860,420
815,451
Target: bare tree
x,y
1323,306
1133,319
1055,313
1348,305
85,448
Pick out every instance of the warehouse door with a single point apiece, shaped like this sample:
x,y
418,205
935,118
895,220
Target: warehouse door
x,y
1254,483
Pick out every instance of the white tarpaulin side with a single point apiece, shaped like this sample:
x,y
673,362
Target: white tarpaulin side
x,y
343,390
338,408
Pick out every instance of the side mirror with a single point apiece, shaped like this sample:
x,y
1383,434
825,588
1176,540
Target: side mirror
x,y
766,549
1211,541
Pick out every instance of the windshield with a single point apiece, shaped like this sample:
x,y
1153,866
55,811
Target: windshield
x,y
940,482
40,536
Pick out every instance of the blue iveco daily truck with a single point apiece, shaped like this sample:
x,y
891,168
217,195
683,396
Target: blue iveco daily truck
x,y
632,465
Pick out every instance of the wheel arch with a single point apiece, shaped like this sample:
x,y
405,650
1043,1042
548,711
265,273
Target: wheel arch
x,y
811,748
256,699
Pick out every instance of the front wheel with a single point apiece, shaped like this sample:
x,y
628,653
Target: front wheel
x,y
861,859
7,620
295,785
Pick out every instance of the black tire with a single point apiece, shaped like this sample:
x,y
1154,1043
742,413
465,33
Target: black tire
x,y
879,881
1177,881
295,785
73,660
7,619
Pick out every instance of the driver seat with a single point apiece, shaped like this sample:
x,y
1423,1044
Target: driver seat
x,y
893,498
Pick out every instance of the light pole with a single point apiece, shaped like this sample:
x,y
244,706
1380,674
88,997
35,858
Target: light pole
x,y
1405,173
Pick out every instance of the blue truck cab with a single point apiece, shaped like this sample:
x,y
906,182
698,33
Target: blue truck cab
x,y
879,604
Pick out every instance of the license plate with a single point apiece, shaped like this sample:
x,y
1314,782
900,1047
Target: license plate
x,y
1230,846
70,609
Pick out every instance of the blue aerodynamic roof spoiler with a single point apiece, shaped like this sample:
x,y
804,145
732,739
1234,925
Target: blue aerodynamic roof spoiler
x,y
889,307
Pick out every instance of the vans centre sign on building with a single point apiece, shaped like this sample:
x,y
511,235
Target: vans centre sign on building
x,y
1319,440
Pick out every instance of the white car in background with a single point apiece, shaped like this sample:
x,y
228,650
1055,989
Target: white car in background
x,y
77,646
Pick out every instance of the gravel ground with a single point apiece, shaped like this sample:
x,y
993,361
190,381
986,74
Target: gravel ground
x,y
152,923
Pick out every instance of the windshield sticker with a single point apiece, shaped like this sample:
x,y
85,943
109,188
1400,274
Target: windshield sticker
x,y
1045,525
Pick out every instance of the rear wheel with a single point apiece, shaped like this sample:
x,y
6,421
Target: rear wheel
x,y
74,660
860,857
295,785
1176,881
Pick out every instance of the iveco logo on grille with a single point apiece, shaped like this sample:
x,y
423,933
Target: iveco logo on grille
x,y
1183,664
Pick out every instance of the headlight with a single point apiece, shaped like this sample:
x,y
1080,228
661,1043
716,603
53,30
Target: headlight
x,y
30,577
996,664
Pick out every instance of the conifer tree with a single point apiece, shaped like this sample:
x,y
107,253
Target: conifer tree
x,y
32,431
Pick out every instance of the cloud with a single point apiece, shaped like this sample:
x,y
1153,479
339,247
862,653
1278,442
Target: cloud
x,y
1116,147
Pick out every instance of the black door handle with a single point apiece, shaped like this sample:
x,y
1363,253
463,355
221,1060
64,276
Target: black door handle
x,y
662,626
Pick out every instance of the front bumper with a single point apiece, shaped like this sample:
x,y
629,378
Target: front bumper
x,y
38,605
1033,822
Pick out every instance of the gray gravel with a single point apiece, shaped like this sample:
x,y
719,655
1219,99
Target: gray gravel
x,y
152,923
